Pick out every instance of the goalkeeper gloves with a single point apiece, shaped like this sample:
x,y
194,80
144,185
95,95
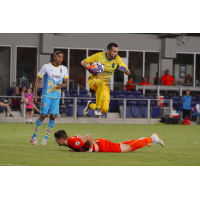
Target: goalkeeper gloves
x,y
92,69
122,69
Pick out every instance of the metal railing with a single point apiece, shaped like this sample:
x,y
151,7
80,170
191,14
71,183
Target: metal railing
x,y
115,99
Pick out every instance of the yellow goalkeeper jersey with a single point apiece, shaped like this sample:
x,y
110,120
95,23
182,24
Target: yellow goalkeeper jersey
x,y
109,65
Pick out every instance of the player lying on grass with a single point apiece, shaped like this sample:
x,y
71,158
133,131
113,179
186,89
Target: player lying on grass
x,y
86,143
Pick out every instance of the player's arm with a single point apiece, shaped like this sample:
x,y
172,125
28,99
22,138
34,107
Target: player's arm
x,y
64,84
123,68
88,139
88,61
35,89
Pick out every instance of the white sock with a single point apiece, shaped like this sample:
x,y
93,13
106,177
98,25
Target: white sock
x,y
27,120
153,139
30,120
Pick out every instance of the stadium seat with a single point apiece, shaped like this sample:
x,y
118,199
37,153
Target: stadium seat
x,y
180,105
2,109
80,109
64,90
84,101
91,113
83,92
144,111
68,101
111,92
141,102
79,101
176,105
137,93
70,110
174,98
194,98
136,111
117,92
10,91
166,101
132,102
194,103
128,111
152,102
113,107
62,109
121,102
73,91
94,100
128,92
155,111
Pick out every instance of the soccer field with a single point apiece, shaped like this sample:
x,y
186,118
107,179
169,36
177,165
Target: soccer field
x,y
182,146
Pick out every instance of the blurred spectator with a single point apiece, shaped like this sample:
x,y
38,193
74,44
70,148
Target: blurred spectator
x,y
3,103
197,110
28,98
167,79
23,90
186,101
145,82
188,79
16,101
130,84
155,80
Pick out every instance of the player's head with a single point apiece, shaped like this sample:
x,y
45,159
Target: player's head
x,y
58,57
144,79
29,90
167,72
112,50
188,92
130,78
61,137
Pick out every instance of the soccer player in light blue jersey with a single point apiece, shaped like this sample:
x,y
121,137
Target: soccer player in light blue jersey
x,y
55,77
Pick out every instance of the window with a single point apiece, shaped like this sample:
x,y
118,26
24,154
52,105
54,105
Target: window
x,y
77,74
135,63
183,69
198,69
91,52
5,69
152,67
26,65
119,76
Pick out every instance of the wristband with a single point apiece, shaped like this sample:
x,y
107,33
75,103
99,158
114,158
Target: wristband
x,y
90,149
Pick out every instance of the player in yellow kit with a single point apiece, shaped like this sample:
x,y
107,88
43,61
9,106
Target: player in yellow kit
x,y
100,83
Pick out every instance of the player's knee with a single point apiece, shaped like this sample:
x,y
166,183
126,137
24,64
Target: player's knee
x,y
42,117
52,117
101,83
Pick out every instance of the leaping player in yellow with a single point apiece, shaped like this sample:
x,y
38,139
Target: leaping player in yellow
x,y
111,61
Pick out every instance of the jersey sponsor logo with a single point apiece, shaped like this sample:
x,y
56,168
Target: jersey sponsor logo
x,y
51,70
44,104
77,143
55,76
61,71
113,65
107,72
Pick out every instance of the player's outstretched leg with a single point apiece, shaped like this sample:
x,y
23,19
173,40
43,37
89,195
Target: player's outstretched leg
x,y
33,139
87,108
49,129
157,140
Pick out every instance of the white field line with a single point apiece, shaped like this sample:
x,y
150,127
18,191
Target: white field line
x,y
9,164
185,142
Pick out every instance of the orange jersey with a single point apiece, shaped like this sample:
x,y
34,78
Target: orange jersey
x,y
143,83
167,80
128,87
107,146
75,143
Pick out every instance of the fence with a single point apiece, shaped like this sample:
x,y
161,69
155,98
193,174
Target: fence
x,y
121,102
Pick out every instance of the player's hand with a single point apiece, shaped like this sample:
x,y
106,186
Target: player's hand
x,y
122,69
91,68
59,86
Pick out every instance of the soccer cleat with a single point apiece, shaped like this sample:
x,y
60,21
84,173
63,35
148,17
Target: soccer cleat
x,y
157,140
44,142
87,108
34,141
97,112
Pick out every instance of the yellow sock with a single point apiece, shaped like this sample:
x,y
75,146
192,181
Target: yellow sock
x,y
99,93
92,106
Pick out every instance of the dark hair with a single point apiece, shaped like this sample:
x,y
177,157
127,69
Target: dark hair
x,y
109,47
60,134
130,77
56,54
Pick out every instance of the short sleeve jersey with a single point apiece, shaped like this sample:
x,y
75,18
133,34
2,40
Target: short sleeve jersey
x,y
76,144
186,102
143,83
128,87
52,76
109,65
168,80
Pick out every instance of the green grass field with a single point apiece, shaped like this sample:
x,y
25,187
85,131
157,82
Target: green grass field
x,y
182,146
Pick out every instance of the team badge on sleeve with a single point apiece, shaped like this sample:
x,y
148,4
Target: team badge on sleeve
x,y
77,143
